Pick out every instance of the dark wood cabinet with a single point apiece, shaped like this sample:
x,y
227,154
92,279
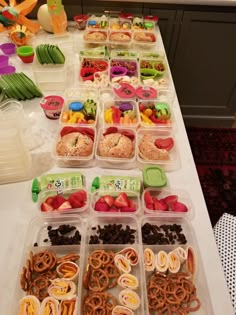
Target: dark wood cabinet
x,y
204,67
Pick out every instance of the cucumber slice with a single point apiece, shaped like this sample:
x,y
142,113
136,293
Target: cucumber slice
x,y
24,87
34,89
12,85
38,55
7,90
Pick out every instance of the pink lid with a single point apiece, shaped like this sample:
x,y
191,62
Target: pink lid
x,y
52,102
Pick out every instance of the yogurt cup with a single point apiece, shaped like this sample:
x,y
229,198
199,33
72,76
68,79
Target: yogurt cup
x,y
52,105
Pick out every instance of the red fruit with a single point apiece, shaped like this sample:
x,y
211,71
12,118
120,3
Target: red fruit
x,y
150,206
109,200
101,206
171,200
148,198
127,209
57,201
110,130
49,201
132,204
65,206
78,199
166,144
121,200
160,205
141,107
46,207
67,130
128,134
179,207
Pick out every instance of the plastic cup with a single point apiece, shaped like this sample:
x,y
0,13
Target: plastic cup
x,y
7,70
8,48
52,106
26,53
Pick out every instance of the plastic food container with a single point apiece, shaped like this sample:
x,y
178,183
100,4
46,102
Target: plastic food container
x,y
120,113
144,39
153,70
26,53
167,201
106,94
150,142
73,156
120,39
198,278
50,77
79,110
124,70
38,228
112,201
81,21
97,22
115,289
67,201
116,24
94,72
74,253
95,38
156,113
113,162
127,222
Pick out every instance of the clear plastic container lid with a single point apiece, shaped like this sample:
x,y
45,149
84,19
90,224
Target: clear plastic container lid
x,y
120,202
124,70
95,37
144,39
157,147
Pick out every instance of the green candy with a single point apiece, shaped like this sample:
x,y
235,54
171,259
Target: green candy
x,y
162,111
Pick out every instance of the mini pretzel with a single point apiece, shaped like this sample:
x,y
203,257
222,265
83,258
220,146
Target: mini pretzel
x,y
70,257
39,287
98,280
99,258
43,261
23,280
113,274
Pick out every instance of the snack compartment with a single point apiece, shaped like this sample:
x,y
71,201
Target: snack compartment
x,y
120,202
113,229
157,146
113,273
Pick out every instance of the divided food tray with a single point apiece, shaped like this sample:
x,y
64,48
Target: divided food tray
x,y
38,231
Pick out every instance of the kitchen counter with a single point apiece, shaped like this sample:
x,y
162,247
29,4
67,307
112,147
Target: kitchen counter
x,y
17,208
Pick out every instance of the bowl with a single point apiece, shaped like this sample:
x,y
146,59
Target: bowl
x,y
8,48
87,74
148,74
118,71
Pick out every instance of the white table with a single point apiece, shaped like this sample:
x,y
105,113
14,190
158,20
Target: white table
x,y
17,208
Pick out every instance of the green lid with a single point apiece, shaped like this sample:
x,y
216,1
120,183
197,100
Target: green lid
x,y
95,184
35,189
154,176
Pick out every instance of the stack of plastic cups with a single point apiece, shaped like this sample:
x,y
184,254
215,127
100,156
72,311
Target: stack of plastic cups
x,y
15,159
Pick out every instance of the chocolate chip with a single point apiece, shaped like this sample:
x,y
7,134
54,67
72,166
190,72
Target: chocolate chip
x,y
35,244
45,240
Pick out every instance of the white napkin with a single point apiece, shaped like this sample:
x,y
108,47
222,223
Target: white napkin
x,y
225,236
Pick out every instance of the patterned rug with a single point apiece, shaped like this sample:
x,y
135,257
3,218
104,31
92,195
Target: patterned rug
x,y
214,152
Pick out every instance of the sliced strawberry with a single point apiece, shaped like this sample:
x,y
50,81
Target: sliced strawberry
x,y
46,207
171,200
160,205
109,200
101,206
121,200
127,209
57,201
132,204
150,206
76,201
128,134
110,130
166,144
148,198
179,207
65,206
66,130
49,201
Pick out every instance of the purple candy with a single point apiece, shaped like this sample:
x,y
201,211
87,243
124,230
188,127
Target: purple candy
x,y
125,106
